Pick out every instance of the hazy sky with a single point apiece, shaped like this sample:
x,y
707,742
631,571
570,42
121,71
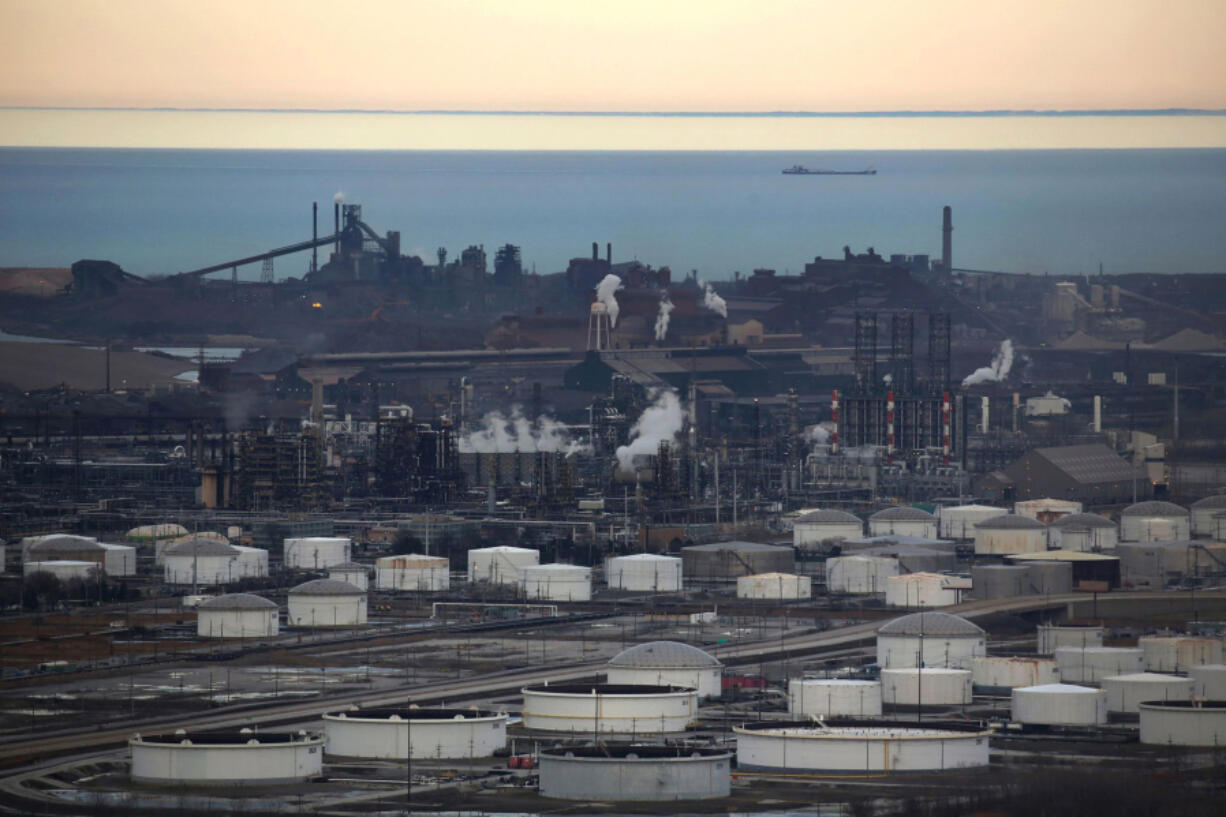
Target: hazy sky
x,y
844,55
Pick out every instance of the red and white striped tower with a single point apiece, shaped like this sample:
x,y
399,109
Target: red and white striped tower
x,y
889,425
834,417
945,429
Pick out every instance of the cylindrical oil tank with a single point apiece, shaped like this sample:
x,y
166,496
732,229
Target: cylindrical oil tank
x,y
556,582
818,527
1012,672
437,734
202,562
724,561
326,603
1051,636
1089,665
413,571
1046,510
667,663
946,641
1154,565
929,686
859,746
1125,693
595,709
1059,705
775,586
162,546
237,615
1178,653
633,772
1184,723
1049,578
64,569
500,565
834,697
1154,521
644,572
1010,534
242,758
1000,581
1203,511
903,521
1084,532
912,590
859,575
356,574
958,521
1209,681
316,552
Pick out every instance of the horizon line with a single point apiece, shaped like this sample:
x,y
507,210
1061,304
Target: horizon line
x,y
1002,112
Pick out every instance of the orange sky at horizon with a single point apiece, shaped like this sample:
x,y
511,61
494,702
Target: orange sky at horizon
x,y
634,55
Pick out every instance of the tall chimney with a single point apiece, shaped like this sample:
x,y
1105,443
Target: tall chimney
x,y
985,404
336,219
314,235
608,253
1098,414
947,240
595,251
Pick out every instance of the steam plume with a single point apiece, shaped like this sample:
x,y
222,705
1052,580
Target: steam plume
x,y
500,434
338,197
604,293
1002,362
666,306
818,435
712,301
659,422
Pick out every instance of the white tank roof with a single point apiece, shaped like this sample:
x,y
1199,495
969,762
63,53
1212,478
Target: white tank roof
x,y
1010,522
1083,520
1215,501
1059,689
502,549
663,655
903,513
648,557
326,587
238,601
938,624
1154,508
828,517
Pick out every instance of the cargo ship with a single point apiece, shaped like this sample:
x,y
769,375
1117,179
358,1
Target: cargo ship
x,y
801,170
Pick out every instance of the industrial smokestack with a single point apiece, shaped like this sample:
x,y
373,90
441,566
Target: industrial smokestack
x,y
608,253
947,240
314,235
1017,407
1098,413
985,406
336,220
595,251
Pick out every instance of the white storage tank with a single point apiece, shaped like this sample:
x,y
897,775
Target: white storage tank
x,y
382,733
252,561
1154,565
1051,636
644,572
326,603
587,709
1011,672
1010,534
208,562
834,697
1059,705
1084,532
1179,652
61,545
500,565
150,533
556,582
114,560
237,615
859,575
958,521
818,527
1154,521
413,571
160,546
667,663
613,772
1089,665
1184,723
63,569
929,686
243,758
1125,693
1000,581
946,640
316,552
859,746
1046,510
777,586
1209,681
911,590
904,521
1203,513
356,574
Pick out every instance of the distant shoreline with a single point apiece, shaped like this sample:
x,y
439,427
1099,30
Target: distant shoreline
x,y
1140,112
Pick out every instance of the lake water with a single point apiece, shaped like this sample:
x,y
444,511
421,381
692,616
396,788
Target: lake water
x,y
1139,193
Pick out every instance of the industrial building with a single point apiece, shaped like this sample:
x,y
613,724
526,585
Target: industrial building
x,y
1091,474
112,560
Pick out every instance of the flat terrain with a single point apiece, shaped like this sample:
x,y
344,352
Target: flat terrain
x,y
35,366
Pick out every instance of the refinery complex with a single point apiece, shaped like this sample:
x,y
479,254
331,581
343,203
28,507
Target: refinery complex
x,y
337,529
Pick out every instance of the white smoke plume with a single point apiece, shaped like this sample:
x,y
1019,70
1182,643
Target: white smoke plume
x,y
666,306
338,197
502,434
818,435
659,422
604,293
888,379
1002,362
712,301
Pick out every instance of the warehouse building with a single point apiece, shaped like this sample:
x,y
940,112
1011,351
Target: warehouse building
x,y
1091,474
